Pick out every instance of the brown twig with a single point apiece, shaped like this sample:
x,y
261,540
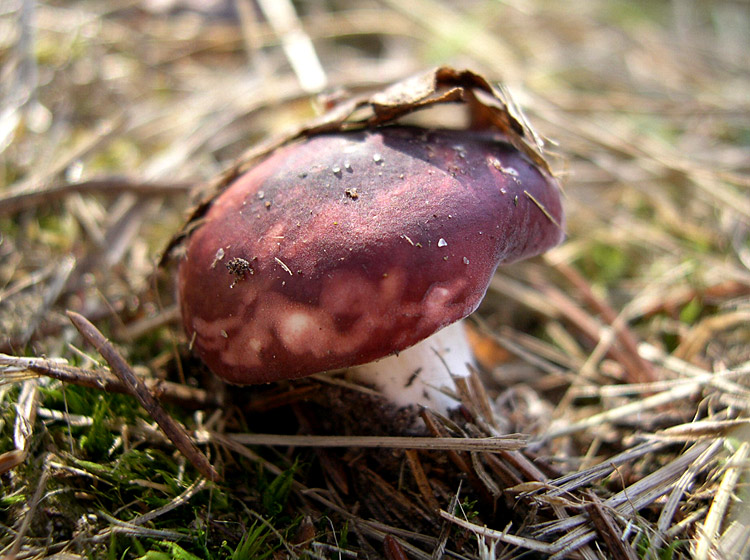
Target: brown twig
x,y
138,389
175,393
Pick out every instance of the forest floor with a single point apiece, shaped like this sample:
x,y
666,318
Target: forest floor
x,y
618,364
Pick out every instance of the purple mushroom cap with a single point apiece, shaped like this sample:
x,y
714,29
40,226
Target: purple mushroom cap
x,y
347,247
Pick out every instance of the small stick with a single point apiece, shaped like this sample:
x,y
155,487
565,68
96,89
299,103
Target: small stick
x,y
138,389
175,393
504,536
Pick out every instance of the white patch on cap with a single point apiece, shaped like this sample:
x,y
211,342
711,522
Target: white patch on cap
x,y
298,330
436,305
209,333
437,299
240,346
312,330
248,294
255,345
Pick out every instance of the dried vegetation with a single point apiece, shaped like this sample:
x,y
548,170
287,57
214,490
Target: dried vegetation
x,y
622,357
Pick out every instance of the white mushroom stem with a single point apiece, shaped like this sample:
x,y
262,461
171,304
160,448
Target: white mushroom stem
x,y
417,375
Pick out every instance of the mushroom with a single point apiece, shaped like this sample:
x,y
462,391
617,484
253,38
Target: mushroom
x,y
358,250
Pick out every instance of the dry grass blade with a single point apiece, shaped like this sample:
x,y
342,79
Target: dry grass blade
x,y
521,542
439,550
136,329
297,45
721,380
700,335
26,411
50,283
134,530
708,544
673,395
683,485
89,143
486,444
459,458
702,429
628,501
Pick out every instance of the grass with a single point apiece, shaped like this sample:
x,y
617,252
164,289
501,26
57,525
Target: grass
x,y
622,356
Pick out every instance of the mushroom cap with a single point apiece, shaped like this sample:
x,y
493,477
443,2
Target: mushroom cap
x,y
347,247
